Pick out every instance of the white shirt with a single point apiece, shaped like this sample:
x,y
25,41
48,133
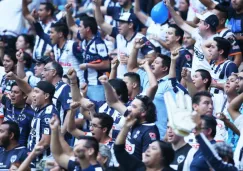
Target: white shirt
x,y
239,124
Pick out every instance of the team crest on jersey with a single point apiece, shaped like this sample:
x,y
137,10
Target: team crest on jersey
x,y
47,121
22,117
180,159
136,134
13,158
152,136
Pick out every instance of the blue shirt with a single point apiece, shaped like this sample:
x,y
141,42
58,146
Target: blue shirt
x,y
40,124
18,154
74,166
22,116
165,84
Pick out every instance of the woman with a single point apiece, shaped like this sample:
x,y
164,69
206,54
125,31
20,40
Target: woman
x,y
25,43
183,8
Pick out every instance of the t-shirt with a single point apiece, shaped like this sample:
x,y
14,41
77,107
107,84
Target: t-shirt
x,y
74,166
17,154
139,137
180,156
94,52
22,116
33,80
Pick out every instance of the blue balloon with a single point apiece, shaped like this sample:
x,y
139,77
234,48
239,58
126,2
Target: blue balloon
x,y
160,13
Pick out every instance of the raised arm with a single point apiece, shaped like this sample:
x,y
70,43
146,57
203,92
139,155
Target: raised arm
x,y
26,13
139,13
174,56
107,28
178,20
20,65
70,21
186,75
75,92
111,98
234,107
58,153
208,3
114,65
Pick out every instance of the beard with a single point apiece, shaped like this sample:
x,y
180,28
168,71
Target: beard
x,y
5,142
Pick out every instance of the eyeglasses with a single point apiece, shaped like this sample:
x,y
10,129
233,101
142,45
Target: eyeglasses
x,y
239,78
95,126
46,69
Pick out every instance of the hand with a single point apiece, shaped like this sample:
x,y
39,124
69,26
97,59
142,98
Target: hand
x,y
20,56
213,83
83,66
87,104
123,59
103,79
167,3
97,3
138,43
130,120
54,123
72,75
68,7
221,116
75,105
38,150
11,76
34,14
186,74
154,37
115,63
144,64
175,54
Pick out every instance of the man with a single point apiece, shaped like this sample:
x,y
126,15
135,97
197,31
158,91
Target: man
x,y
180,147
17,110
45,14
144,131
206,30
173,39
32,80
160,69
132,81
10,151
85,151
125,36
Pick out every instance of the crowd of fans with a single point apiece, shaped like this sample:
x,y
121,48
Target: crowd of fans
x,y
98,85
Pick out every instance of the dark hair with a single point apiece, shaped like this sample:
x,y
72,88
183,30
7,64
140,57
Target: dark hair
x,y
58,68
178,32
205,75
223,10
197,97
13,128
210,122
167,153
11,54
223,44
106,121
15,84
134,77
149,108
121,88
49,7
166,60
28,60
91,23
29,39
91,142
61,27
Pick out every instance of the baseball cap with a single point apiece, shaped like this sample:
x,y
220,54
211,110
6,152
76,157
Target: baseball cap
x,y
128,17
46,87
43,60
210,18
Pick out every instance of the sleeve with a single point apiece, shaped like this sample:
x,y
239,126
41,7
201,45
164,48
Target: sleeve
x,y
148,48
23,155
110,11
102,50
211,155
239,122
45,121
33,80
149,137
232,67
77,51
40,32
66,98
143,78
5,100
114,32
149,22
235,48
71,164
126,161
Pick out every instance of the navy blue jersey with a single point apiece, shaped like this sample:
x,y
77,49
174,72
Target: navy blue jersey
x,y
40,124
74,166
6,85
62,99
18,154
22,116
139,138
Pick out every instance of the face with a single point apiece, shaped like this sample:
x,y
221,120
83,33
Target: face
x,y
16,96
39,68
213,50
96,129
4,135
205,106
80,150
237,4
170,37
123,28
183,6
198,80
136,108
8,64
157,67
13,168
129,84
54,36
82,30
204,129
101,160
239,82
20,43
123,2
152,155
187,40
171,136
38,97
231,85
43,13
202,26
48,73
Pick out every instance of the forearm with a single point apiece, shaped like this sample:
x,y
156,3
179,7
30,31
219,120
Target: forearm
x,y
218,86
177,18
153,84
121,138
99,66
71,23
71,122
113,74
238,59
162,43
140,14
132,60
75,92
65,146
99,16
24,86
109,94
26,163
232,127
208,3
56,147
234,106
191,88
20,70
172,71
